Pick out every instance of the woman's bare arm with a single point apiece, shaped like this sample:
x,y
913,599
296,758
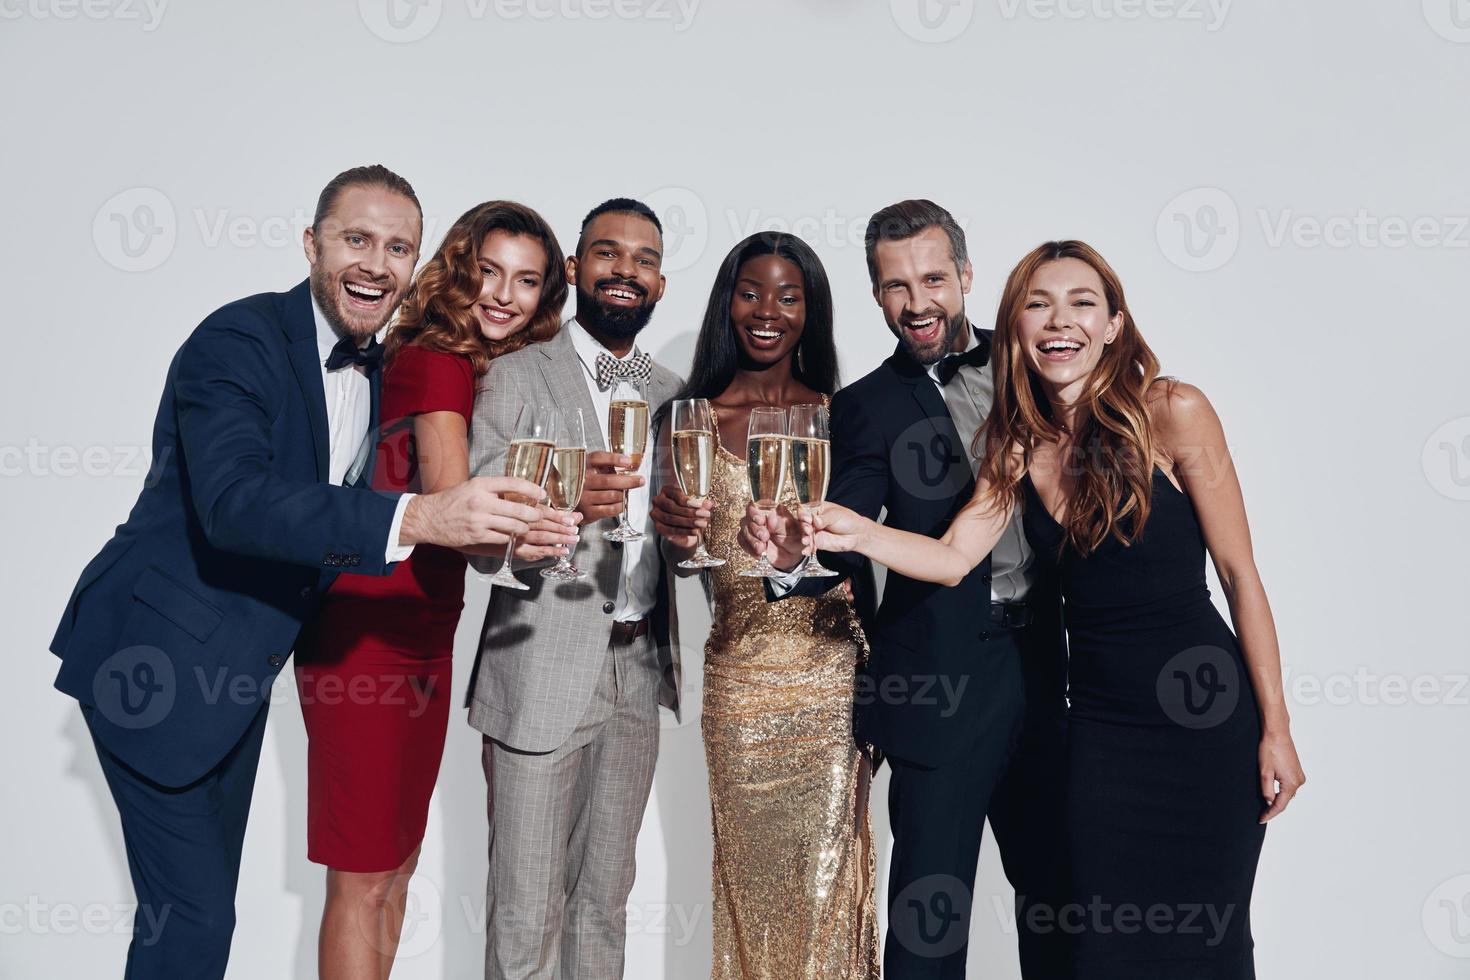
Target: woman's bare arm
x,y
1191,433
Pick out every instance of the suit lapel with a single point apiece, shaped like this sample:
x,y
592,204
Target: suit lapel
x,y
300,329
931,459
567,379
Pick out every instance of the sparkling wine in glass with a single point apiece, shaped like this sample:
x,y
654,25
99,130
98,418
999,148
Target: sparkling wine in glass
x,y
767,453
528,457
693,443
811,469
565,484
627,435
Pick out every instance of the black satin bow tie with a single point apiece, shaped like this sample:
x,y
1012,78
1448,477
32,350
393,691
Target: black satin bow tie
x,y
977,356
347,352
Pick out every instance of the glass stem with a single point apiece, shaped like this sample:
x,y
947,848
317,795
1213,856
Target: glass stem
x,y
510,547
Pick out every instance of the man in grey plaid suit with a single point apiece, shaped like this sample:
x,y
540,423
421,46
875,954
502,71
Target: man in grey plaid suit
x,y
570,674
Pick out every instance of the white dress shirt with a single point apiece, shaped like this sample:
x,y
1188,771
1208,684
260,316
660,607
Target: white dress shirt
x,y
349,410
638,584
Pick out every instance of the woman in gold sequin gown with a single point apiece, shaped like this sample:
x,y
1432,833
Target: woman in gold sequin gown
x,y
793,855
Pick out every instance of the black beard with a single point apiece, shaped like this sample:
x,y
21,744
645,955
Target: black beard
x,y
613,322
930,356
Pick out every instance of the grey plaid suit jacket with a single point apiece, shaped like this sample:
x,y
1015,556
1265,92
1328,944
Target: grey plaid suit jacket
x,y
541,650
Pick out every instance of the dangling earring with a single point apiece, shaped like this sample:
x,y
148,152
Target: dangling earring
x,y
799,368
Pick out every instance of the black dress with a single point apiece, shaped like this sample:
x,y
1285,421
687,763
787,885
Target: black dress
x,y
1164,798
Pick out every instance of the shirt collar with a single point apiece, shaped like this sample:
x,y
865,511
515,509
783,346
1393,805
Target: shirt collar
x,y
588,346
326,337
933,369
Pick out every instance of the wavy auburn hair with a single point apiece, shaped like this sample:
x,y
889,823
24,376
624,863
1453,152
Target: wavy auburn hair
x,y
438,312
1112,454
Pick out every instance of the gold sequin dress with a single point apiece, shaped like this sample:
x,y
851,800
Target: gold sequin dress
x,y
793,868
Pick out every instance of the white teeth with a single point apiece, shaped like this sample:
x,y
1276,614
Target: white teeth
x,y
621,293
765,334
1061,345
366,292
921,324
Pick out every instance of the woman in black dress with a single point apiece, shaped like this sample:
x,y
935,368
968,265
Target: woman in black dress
x,y
1180,744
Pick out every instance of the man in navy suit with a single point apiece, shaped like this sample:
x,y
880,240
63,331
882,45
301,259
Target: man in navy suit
x,y
176,630
965,689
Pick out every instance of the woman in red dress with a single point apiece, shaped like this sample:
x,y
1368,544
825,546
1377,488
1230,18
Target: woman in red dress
x,y
373,670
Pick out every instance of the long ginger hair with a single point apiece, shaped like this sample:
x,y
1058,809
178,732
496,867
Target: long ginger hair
x,y
1112,453
438,312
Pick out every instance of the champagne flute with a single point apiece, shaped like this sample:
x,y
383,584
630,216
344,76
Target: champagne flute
x,y
766,454
811,468
693,442
627,435
529,457
564,486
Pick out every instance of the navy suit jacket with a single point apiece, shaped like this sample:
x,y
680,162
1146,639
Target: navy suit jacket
x,y
927,688
176,629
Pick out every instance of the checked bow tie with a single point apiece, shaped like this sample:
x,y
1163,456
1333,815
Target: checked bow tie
x,y
347,352
637,368
977,356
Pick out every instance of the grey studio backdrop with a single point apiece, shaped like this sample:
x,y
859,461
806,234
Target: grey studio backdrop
x,y
1281,186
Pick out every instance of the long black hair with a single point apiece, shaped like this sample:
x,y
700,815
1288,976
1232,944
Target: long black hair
x,y
717,353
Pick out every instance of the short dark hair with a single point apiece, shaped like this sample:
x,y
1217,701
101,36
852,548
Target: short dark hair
x,y
619,205
905,220
373,175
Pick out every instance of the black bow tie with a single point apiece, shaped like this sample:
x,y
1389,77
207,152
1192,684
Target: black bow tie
x,y
347,352
977,356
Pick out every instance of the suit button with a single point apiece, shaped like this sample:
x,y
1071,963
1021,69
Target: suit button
x,y
355,560
305,592
984,634
617,545
607,607
274,660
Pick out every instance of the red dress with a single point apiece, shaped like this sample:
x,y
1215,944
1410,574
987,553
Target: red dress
x,y
373,668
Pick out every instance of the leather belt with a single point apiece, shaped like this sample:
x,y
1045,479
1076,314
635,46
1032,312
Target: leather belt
x,y
1010,614
625,633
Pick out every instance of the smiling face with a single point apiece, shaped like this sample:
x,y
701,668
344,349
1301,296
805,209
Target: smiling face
x,y
617,274
768,308
512,269
1064,324
362,257
922,293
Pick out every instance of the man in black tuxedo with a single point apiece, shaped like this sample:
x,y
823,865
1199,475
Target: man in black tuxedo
x,y
965,689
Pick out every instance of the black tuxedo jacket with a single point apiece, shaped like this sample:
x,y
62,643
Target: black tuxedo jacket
x,y
932,680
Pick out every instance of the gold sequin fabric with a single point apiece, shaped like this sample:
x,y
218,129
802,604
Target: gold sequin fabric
x,y
793,854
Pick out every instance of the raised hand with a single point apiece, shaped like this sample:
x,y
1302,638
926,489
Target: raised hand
x,y
603,495
835,528
475,512
677,520
776,534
